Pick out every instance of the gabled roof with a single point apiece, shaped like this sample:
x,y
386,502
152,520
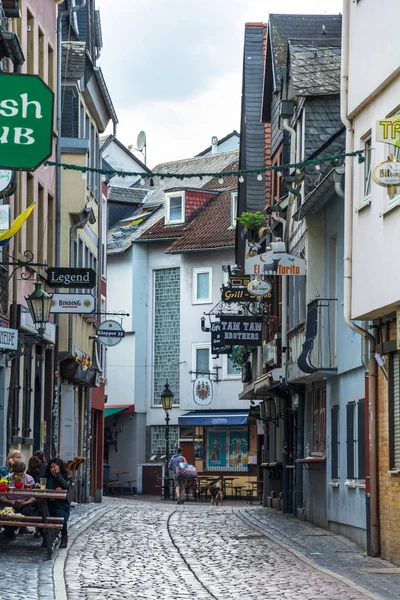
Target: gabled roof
x,y
122,235
105,141
224,139
282,28
314,67
126,195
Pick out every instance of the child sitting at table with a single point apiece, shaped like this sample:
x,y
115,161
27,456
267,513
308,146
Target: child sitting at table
x,y
21,504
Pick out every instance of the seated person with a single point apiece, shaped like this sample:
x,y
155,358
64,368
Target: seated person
x,y
11,458
34,468
58,478
22,505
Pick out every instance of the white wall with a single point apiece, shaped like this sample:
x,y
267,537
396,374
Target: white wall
x,y
373,48
376,239
119,159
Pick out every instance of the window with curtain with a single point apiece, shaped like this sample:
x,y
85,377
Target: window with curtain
x,y
203,360
202,286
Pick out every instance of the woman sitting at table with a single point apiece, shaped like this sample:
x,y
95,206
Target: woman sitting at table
x,y
58,479
22,505
11,458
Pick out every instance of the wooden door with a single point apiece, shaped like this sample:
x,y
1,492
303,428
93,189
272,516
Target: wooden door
x,y
187,451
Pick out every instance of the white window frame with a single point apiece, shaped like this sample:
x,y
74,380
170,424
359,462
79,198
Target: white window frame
x,y
168,196
200,346
234,202
196,272
367,165
225,374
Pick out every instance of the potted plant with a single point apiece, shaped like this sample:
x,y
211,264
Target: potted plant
x,y
19,482
3,484
252,223
239,356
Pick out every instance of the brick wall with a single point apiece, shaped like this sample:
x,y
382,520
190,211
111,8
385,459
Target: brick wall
x,y
389,485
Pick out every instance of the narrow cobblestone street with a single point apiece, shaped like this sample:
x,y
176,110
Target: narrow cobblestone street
x,y
124,549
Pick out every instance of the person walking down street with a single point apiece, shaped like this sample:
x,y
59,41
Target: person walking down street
x,y
178,480
58,478
11,458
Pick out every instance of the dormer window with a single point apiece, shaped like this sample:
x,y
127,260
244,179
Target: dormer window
x,y
174,208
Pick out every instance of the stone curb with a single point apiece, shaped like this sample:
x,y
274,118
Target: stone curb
x,y
238,513
60,588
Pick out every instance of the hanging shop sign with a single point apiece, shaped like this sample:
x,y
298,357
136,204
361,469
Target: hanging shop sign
x,y
26,121
260,288
71,277
7,183
241,331
387,173
217,345
110,333
73,303
271,263
202,391
231,294
388,131
8,339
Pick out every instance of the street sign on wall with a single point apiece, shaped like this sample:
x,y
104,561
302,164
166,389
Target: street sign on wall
x,y
73,304
110,333
69,277
26,121
241,331
274,263
8,338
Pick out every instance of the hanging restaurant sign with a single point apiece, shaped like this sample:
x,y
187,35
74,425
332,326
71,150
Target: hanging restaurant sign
x,y
217,345
8,338
110,333
241,331
260,287
388,131
202,391
275,263
26,121
70,277
387,173
73,303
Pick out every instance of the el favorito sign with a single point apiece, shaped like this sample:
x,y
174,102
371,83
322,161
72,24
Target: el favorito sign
x,y
26,121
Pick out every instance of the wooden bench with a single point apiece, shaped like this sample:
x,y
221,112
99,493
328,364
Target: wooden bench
x,y
117,482
50,529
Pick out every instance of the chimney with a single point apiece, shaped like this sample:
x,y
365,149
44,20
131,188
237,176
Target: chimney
x,y
214,144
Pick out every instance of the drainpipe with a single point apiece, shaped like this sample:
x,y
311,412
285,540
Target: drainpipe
x,y
348,255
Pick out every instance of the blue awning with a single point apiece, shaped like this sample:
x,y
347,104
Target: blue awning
x,y
214,417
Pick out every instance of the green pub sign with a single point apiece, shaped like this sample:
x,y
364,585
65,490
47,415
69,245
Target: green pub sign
x,y
26,121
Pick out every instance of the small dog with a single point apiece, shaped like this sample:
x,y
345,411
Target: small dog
x,y
216,492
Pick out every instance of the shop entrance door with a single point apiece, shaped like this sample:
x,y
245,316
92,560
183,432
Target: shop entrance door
x,y
187,451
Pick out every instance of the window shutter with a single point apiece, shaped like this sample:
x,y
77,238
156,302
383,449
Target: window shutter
x,y
396,411
361,439
335,443
350,440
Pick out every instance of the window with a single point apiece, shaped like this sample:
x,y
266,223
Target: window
x,y
355,426
202,279
367,169
201,358
158,439
335,443
319,418
394,410
227,448
175,208
50,67
234,200
229,371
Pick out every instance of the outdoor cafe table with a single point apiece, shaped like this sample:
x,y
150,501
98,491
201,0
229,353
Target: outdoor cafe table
x,y
42,496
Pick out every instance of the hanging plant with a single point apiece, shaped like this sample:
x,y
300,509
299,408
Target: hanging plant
x,y
251,220
239,356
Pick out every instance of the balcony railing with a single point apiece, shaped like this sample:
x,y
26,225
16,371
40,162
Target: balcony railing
x,y
320,346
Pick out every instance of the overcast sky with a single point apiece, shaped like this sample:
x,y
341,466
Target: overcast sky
x,y
174,67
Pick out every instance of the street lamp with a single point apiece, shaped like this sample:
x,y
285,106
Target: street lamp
x,y
166,400
39,304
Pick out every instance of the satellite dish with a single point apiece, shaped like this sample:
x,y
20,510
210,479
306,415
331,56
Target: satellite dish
x,y
141,141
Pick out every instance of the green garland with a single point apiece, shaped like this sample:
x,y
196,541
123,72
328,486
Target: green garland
x,y
239,173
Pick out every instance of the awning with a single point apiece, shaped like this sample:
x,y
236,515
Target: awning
x,y
111,410
214,417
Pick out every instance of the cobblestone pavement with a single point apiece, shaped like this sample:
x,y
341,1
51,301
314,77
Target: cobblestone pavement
x,y
138,549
